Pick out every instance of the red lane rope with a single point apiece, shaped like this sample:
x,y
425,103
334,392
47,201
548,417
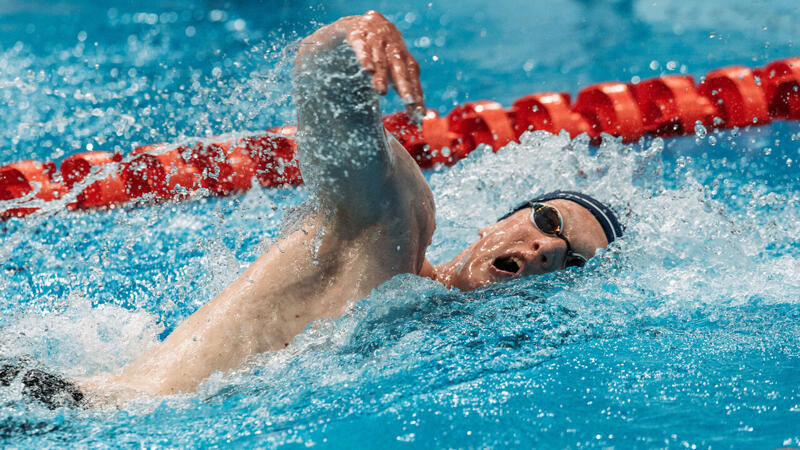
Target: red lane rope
x,y
670,105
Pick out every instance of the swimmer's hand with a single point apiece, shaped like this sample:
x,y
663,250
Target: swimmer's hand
x,y
381,51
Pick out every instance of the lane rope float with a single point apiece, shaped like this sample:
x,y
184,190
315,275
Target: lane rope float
x,y
670,105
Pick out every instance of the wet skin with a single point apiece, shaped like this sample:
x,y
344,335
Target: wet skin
x,y
517,239
374,220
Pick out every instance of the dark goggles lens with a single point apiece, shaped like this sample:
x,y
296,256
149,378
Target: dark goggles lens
x,y
547,218
550,221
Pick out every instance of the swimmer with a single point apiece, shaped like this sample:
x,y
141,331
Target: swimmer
x,y
375,220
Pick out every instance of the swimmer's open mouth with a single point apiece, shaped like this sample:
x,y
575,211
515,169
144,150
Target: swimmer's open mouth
x,y
508,265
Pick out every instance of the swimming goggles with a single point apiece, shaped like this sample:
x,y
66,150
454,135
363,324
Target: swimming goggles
x,y
548,220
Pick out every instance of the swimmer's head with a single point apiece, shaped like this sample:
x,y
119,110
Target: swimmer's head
x,y
547,233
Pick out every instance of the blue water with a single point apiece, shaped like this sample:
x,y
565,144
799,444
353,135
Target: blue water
x,y
685,333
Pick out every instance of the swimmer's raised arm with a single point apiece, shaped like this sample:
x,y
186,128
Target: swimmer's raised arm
x,y
382,219
344,154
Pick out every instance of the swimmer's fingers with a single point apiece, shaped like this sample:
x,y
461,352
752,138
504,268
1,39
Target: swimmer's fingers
x,y
419,110
358,41
380,49
380,79
369,50
401,77
399,73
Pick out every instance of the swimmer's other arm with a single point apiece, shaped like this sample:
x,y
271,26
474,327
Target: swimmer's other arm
x,y
344,155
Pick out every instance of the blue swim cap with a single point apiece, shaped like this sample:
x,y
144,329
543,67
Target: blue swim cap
x,y
604,215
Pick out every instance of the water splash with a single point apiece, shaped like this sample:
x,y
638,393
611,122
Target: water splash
x,y
685,331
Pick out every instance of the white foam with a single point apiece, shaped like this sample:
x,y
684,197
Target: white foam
x,y
77,339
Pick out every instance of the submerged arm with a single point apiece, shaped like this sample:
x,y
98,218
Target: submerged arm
x,y
344,155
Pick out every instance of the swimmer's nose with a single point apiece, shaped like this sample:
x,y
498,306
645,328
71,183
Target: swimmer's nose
x,y
545,256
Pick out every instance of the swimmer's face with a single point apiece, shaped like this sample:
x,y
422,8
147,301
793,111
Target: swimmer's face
x,y
515,247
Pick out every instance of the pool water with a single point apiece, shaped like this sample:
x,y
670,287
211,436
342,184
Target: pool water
x,y
686,333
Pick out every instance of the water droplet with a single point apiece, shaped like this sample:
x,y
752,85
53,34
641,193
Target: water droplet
x,y
700,131
529,65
